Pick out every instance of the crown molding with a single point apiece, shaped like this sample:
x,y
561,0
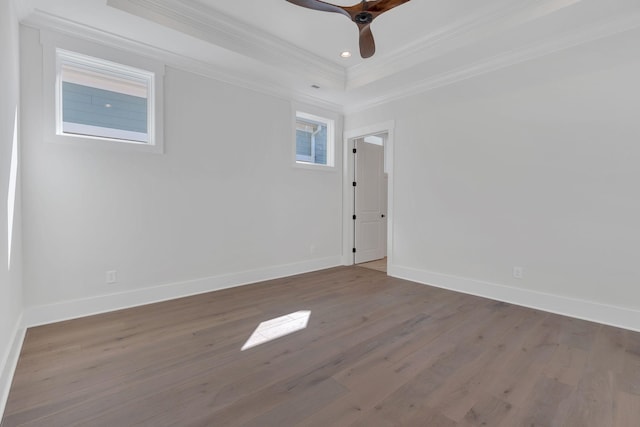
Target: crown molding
x,y
348,99
44,21
210,25
463,32
569,40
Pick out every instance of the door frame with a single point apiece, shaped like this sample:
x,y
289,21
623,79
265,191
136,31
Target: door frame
x,y
347,193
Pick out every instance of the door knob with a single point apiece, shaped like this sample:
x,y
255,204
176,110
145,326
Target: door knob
x,y
382,216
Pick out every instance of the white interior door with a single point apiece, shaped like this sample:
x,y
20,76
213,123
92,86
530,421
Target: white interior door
x,y
370,202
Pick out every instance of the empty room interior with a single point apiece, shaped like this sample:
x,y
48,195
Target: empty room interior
x,y
308,213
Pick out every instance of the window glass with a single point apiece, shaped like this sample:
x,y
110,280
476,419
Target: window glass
x,y
314,140
103,99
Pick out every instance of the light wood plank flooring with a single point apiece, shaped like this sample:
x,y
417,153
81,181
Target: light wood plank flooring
x,y
378,265
377,351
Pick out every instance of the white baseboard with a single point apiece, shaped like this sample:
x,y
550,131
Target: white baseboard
x,y
9,363
50,313
620,317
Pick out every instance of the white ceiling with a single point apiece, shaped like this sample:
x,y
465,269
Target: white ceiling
x,y
328,34
281,48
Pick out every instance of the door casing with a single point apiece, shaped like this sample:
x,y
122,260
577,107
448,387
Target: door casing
x,y
347,194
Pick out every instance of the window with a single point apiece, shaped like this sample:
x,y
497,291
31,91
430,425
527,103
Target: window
x,y
101,96
101,99
314,140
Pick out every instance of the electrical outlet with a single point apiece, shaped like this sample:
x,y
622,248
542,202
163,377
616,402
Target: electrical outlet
x,y
111,276
518,272
312,250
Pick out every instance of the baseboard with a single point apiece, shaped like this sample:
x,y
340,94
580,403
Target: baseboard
x,y
620,317
50,313
9,363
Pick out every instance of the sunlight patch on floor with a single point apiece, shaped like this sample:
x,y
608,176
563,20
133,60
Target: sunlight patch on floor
x,y
277,328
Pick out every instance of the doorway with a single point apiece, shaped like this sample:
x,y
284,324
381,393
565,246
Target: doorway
x,y
349,202
370,192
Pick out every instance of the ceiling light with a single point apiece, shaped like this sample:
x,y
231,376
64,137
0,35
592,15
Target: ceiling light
x,y
107,105
345,54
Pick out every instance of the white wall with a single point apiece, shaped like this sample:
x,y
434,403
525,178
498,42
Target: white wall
x,y
10,273
224,205
535,165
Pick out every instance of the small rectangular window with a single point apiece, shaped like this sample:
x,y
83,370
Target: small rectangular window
x,y
314,140
102,99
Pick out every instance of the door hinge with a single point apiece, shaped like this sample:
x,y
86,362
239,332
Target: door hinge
x,y
354,151
354,183
354,250
354,217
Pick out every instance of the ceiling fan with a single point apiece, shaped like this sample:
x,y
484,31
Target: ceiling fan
x,y
362,14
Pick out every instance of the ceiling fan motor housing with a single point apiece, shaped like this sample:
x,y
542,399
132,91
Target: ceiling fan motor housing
x,y
363,18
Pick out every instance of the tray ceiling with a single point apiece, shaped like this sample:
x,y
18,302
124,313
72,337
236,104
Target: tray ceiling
x,y
277,47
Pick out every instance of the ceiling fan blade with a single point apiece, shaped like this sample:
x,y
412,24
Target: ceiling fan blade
x,y
380,6
367,44
362,13
320,5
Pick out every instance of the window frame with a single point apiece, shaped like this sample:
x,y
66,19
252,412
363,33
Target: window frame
x,y
105,68
330,122
111,60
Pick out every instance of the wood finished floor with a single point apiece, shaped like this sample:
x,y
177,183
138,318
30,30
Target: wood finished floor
x,y
379,265
377,351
